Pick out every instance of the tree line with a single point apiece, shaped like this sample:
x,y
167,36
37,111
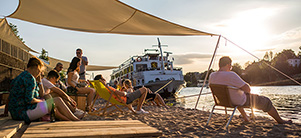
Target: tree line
x,y
258,72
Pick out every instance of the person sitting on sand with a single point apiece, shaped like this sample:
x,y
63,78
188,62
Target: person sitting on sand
x,y
128,98
224,76
50,88
153,97
26,88
75,84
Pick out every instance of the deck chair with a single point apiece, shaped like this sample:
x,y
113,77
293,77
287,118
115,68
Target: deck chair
x,y
104,92
221,97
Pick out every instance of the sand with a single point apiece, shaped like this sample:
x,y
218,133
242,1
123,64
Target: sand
x,y
180,122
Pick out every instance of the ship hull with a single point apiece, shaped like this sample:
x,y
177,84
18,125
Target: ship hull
x,y
168,91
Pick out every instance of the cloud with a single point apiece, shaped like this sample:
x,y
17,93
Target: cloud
x,y
292,34
189,58
265,49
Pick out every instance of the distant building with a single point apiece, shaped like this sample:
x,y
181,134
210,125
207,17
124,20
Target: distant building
x,y
295,62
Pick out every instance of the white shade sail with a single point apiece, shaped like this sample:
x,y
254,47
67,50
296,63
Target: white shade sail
x,y
98,16
9,36
54,61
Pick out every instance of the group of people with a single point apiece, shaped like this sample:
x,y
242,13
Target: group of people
x,y
31,96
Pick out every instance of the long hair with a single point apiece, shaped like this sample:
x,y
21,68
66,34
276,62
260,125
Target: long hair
x,y
127,83
73,65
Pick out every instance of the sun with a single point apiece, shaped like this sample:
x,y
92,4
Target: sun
x,y
249,28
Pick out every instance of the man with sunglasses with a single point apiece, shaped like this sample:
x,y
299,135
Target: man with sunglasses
x,y
84,59
58,68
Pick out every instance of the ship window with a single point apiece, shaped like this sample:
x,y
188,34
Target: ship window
x,y
141,67
131,68
153,58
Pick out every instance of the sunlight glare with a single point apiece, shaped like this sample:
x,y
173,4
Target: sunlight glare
x,y
248,29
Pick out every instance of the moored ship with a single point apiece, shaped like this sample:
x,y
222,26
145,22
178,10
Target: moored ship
x,y
153,70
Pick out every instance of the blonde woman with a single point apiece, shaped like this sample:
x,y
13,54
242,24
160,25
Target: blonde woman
x,y
127,84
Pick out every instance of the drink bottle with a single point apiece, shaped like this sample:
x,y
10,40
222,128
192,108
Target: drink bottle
x,y
52,114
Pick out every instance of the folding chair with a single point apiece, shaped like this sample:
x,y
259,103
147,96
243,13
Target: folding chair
x,y
221,97
104,92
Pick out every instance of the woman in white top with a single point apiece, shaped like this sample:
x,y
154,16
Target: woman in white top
x,y
74,83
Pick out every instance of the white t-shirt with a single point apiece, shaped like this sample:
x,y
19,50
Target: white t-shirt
x,y
74,79
82,66
47,85
230,78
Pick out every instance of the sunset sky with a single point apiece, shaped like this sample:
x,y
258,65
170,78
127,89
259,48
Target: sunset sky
x,y
258,26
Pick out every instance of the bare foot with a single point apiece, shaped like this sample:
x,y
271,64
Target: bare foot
x,y
286,122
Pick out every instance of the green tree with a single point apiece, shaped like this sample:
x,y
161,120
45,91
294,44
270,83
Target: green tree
x,y
268,56
191,79
280,62
15,30
237,69
44,55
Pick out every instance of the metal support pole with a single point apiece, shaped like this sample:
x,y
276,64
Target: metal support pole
x,y
208,71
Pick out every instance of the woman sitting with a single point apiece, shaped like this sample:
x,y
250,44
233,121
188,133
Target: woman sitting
x,y
75,85
24,103
128,98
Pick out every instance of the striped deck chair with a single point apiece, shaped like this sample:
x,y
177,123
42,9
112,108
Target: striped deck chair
x,y
110,96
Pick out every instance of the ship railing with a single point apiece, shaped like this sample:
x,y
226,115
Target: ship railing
x,y
153,69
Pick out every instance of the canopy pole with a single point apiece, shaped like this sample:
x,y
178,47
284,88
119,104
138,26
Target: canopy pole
x,y
208,71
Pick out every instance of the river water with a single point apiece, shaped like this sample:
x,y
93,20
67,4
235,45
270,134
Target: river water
x,y
286,99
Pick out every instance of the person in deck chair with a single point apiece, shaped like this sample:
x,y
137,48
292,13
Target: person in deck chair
x,y
128,98
153,97
224,76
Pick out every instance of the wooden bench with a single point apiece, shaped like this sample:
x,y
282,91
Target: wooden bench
x,y
118,128
9,127
3,97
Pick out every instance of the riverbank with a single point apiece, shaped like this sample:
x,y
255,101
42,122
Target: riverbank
x,y
180,122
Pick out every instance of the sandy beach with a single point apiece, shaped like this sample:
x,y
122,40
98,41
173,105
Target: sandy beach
x,y
180,122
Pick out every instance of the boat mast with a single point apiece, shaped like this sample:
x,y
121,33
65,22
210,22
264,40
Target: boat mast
x,y
162,60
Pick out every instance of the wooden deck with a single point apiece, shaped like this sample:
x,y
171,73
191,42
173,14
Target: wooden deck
x,y
120,128
9,127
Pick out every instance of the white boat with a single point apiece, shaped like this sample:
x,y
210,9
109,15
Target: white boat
x,y
152,70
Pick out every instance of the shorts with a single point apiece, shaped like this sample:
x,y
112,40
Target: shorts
x,y
259,102
130,97
71,90
151,96
38,112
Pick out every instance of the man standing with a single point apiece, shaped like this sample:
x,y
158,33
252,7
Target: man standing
x,y
224,76
82,72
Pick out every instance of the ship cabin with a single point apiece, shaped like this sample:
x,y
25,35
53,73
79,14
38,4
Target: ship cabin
x,y
136,67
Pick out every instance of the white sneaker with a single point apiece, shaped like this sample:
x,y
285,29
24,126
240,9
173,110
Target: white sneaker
x,y
142,112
